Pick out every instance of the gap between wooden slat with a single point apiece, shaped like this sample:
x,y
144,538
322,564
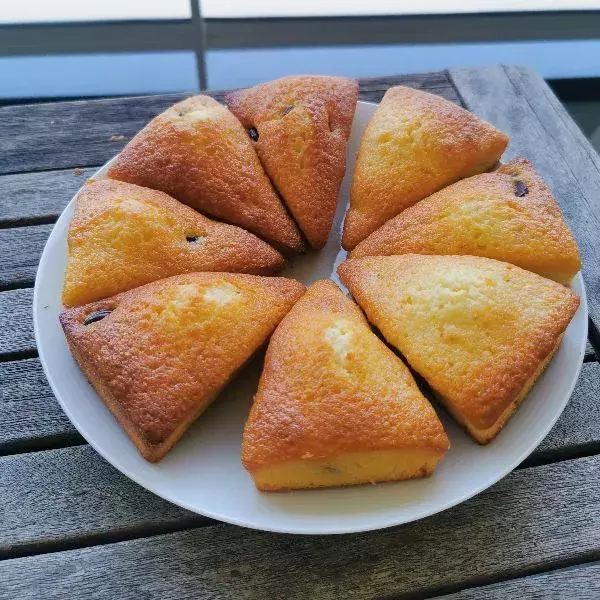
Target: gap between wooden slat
x,y
28,221
26,446
21,283
594,337
18,355
86,541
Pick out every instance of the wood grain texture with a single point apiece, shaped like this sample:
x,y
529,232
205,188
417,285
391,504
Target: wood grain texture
x,y
534,519
30,198
73,495
16,322
69,473
577,430
580,582
20,251
30,416
519,102
61,135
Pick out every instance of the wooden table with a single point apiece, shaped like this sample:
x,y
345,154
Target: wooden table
x,y
71,526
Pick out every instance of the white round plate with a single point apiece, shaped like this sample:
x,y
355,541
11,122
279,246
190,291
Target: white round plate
x,y
203,472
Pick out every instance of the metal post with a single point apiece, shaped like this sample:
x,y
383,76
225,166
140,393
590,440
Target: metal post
x,y
199,28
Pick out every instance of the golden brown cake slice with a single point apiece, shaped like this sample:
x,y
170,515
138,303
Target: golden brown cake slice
x,y
123,236
478,330
415,144
158,355
300,126
335,406
199,153
509,215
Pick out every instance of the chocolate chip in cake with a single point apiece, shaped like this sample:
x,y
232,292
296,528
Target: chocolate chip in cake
x,y
192,238
253,134
520,188
96,316
288,110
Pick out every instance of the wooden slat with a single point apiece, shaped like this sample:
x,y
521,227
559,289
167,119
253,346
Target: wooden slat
x,y
16,323
581,582
75,496
519,102
30,416
577,431
20,251
74,470
29,198
59,135
535,519
372,89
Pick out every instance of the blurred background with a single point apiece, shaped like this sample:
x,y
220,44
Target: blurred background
x,y
66,49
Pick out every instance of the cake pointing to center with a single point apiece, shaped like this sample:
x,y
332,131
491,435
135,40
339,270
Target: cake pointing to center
x,y
415,144
300,128
478,330
509,215
123,236
199,153
158,355
335,406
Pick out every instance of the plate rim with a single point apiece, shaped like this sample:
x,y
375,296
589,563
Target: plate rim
x,y
331,530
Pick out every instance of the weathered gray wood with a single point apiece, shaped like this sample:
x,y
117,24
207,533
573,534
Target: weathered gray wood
x,y
16,323
372,89
581,582
59,135
30,416
20,251
30,198
542,518
576,433
519,102
39,509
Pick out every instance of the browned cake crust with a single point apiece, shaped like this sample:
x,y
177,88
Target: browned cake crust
x,y
199,153
165,350
123,236
509,215
302,125
415,144
478,330
331,388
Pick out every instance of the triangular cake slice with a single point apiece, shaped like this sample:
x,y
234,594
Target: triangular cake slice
x,y
509,215
123,236
199,153
335,406
478,330
300,126
415,144
158,355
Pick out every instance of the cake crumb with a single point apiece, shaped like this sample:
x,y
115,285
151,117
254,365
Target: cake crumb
x,y
78,171
117,138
